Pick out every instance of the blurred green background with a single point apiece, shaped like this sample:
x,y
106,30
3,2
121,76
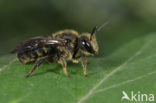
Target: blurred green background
x,y
128,19
119,44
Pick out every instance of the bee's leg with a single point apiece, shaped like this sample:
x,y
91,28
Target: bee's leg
x,y
64,65
83,60
84,63
38,63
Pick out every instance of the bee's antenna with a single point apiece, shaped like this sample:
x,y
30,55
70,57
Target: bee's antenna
x,y
95,29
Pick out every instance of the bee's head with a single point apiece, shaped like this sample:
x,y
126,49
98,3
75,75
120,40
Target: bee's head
x,y
87,42
87,46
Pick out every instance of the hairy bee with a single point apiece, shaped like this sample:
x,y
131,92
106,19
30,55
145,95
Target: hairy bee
x,y
58,47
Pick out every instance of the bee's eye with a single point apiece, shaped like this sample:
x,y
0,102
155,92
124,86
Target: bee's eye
x,y
87,46
83,42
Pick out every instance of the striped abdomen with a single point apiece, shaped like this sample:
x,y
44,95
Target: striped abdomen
x,y
33,55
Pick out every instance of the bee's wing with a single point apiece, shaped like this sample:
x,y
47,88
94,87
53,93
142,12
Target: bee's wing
x,y
35,43
53,42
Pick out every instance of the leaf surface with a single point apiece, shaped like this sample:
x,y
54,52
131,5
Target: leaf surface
x,y
129,67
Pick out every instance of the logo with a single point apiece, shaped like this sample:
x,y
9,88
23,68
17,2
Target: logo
x,y
138,96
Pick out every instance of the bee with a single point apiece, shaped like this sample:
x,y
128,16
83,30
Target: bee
x,y
59,47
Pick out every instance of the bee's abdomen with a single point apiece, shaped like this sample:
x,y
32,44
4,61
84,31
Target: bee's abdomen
x,y
31,56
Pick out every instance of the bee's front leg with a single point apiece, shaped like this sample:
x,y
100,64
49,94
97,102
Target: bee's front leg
x,y
84,63
83,60
64,65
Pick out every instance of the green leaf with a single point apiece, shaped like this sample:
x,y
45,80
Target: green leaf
x,y
128,67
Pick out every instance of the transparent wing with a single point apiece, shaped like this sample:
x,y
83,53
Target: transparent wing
x,y
53,42
35,43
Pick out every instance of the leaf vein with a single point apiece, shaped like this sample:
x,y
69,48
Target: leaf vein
x,y
85,97
125,82
7,65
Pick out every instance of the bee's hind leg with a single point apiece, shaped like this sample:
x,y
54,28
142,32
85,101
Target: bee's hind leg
x,y
38,63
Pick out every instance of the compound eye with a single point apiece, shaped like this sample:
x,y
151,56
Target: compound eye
x,y
83,42
86,44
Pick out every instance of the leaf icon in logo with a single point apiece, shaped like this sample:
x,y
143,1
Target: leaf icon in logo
x,y
125,96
